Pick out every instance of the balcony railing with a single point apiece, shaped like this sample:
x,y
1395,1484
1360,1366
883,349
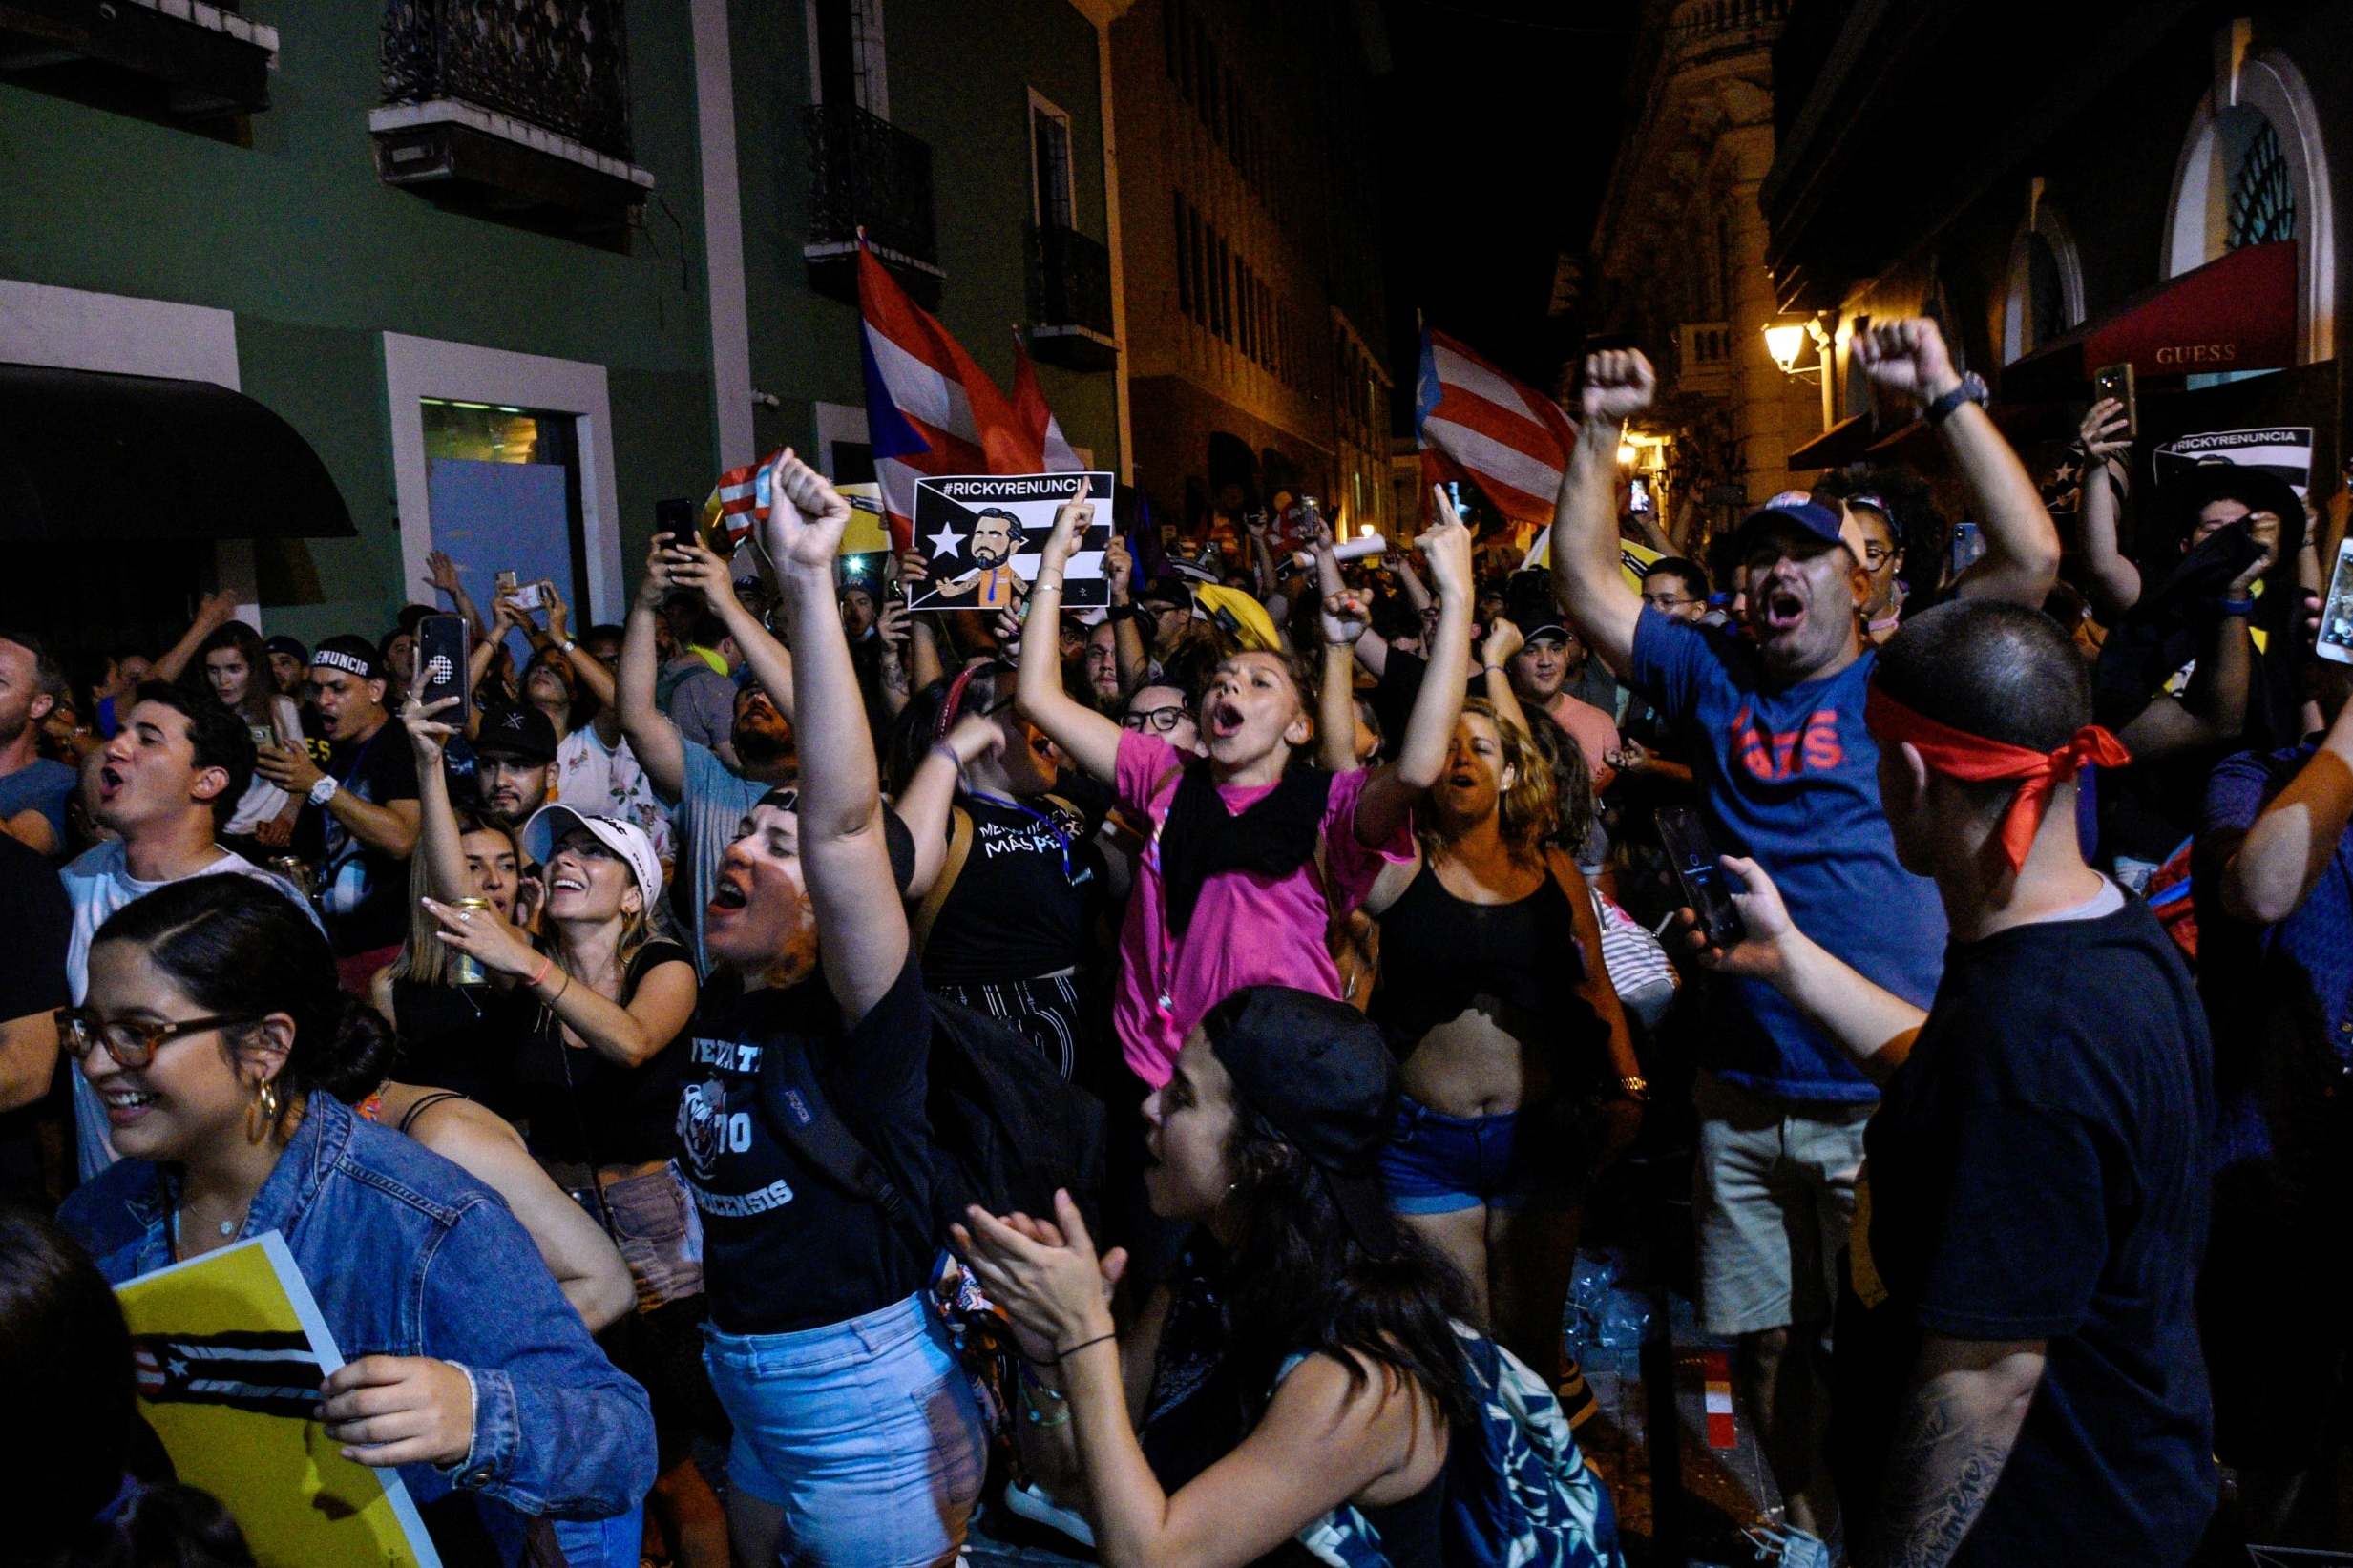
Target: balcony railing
x,y
865,172
560,65
1705,21
1703,356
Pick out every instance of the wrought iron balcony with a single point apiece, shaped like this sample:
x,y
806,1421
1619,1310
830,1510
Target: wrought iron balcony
x,y
514,109
1070,298
561,64
186,63
865,173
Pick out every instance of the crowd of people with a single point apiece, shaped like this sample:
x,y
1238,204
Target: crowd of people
x,y
615,1042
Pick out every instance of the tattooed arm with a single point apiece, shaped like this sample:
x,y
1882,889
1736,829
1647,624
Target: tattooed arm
x,y
1969,1399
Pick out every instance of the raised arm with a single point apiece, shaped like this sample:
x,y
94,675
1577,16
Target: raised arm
x,y
592,677
2281,858
1504,640
2111,580
769,660
2212,709
1128,653
1908,359
213,611
658,747
1387,802
1343,620
861,924
441,575
1088,738
438,845
1873,1025
1587,576
930,796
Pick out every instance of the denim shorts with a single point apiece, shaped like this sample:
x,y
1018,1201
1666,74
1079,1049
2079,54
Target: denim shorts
x,y
654,1225
1437,1163
864,1432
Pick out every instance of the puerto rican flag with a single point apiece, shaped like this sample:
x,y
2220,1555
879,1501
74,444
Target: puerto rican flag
x,y
931,410
1053,452
1479,425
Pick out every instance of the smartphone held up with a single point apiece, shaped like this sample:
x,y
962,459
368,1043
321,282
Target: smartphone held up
x,y
1706,888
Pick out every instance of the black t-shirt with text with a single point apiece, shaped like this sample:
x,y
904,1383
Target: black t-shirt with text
x,y
364,894
783,1248
1022,903
2037,1170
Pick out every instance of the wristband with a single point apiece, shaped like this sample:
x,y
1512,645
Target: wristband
x,y
546,963
944,749
1060,1356
1046,585
568,644
2227,608
1495,669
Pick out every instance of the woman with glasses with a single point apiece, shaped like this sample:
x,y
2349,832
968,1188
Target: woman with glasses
x,y
212,1028
1161,711
1008,879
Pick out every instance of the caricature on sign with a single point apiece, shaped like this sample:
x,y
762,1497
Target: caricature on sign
x,y
980,538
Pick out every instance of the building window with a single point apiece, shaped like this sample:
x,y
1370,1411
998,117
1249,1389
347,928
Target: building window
x,y
2045,294
845,58
1053,202
2263,200
1184,256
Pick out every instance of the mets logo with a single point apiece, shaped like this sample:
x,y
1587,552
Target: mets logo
x,y
703,1126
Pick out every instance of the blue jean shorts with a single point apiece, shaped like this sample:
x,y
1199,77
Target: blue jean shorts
x,y
864,1432
1437,1163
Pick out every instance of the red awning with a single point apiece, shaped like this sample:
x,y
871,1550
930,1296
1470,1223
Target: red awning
x,y
2237,312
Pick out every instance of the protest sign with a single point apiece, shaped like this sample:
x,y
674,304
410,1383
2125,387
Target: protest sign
x,y
2284,450
977,533
231,1349
1634,560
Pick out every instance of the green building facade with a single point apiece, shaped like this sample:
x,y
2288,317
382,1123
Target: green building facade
x,y
660,277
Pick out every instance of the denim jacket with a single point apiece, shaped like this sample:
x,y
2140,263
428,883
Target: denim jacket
x,y
410,1255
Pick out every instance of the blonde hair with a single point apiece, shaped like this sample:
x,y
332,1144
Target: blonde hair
x,y
1525,812
422,956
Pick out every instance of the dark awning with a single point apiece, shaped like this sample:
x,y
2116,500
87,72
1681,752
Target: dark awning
x,y
1836,447
85,456
2237,312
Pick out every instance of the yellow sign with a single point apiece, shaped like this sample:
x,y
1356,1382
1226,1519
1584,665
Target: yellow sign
x,y
231,1352
1636,560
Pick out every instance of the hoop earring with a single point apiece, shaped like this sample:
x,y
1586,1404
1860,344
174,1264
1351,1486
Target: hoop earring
x,y
261,1116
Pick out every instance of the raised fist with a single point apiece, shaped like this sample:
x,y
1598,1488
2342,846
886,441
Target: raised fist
x,y
1907,357
1618,384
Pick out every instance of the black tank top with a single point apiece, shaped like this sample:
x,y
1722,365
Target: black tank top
x,y
1439,953
585,1108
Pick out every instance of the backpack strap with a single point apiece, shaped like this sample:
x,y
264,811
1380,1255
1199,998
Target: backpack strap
x,y
959,850
807,1121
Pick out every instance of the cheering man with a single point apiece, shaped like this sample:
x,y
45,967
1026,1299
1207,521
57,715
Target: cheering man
x,y
2018,1375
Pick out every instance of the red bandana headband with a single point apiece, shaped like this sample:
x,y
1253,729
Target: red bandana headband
x,y
1975,760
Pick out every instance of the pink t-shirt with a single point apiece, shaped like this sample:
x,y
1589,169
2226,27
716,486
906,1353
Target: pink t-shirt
x,y
1248,929
1595,731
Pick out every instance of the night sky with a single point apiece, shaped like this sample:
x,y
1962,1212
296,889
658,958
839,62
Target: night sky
x,y
1502,121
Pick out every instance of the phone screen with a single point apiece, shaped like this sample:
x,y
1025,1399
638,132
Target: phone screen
x,y
1706,888
2336,639
441,665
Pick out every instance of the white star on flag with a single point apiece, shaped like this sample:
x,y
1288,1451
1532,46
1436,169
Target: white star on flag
x,y
947,541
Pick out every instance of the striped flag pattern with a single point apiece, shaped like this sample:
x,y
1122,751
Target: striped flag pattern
x,y
1477,425
1039,426
931,410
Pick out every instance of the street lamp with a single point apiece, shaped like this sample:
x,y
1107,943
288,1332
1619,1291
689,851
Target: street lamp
x,y
1782,341
1626,455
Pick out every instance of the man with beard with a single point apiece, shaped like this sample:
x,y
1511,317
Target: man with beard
x,y
1787,776
514,764
166,781
361,826
34,790
708,799
836,1373
991,584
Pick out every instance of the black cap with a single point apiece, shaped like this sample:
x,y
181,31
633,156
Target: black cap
x,y
517,731
282,645
1321,1074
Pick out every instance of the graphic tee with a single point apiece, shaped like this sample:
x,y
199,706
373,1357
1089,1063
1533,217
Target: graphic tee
x,y
2037,1170
1015,911
784,1248
1789,778
364,892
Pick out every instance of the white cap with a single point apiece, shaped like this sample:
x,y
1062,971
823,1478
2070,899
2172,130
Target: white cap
x,y
625,839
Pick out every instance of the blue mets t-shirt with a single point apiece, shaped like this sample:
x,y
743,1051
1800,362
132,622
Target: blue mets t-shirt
x,y
1790,778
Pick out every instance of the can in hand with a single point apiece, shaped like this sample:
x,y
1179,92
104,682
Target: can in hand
x,y
464,969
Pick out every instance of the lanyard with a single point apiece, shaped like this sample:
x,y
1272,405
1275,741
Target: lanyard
x,y
1062,840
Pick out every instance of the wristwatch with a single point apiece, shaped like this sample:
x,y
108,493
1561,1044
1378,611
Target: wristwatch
x,y
1973,389
326,789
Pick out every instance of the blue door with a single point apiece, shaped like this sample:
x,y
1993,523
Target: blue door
x,y
493,517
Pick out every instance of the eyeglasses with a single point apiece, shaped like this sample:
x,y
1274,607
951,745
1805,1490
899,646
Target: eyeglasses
x,y
1877,555
1159,721
130,1042
1669,601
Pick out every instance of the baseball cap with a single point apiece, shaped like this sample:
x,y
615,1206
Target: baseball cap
x,y
352,655
550,823
1321,1074
282,645
1239,615
1795,510
516,730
